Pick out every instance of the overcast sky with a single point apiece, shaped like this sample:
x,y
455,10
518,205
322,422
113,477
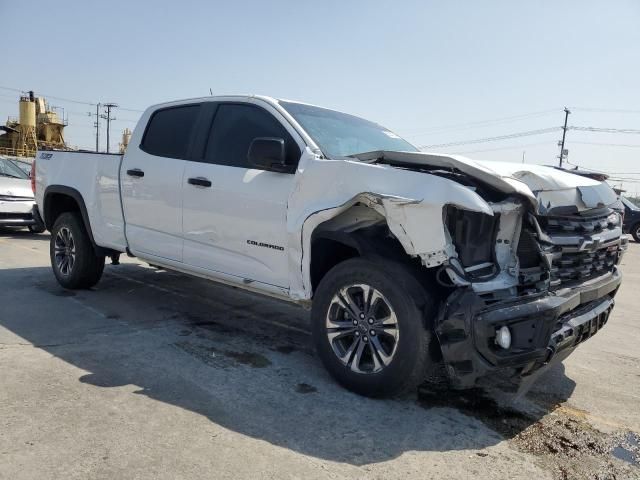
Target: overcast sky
x,y
435,72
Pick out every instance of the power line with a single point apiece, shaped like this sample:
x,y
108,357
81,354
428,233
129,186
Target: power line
x,y
527,133
131,110
605,130
511,147
480,123
50,96
63,99
602,171
631,145
605,110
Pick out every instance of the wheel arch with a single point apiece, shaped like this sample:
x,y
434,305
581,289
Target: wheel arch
x,y
58,199
359,231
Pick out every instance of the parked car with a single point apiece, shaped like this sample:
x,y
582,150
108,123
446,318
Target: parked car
x,y
22,165
407,259
631,218
17,203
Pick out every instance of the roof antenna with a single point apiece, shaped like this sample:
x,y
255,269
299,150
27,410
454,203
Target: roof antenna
x,y
210,92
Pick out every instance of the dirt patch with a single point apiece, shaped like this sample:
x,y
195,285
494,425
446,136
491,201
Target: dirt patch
x,y
565,444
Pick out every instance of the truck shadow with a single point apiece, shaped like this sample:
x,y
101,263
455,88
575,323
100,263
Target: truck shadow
x,y
22,234
246,364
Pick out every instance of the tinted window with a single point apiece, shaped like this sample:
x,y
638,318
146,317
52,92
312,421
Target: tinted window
x,y
234,128
169,131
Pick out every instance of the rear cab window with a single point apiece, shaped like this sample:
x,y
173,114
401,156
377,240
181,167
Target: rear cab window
x,y
169,131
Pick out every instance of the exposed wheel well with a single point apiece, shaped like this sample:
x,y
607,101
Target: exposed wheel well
x,y
55,205
357,232
326,253
362,232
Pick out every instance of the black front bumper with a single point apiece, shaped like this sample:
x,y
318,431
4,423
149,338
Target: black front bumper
x,y
543,328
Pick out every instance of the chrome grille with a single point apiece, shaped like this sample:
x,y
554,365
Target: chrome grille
x,y
577,224
571,250
573,266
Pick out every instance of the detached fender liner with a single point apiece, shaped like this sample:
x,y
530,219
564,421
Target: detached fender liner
x,y
541,327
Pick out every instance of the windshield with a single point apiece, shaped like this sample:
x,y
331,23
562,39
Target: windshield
x,y
24,166
8,169
629,204
340,135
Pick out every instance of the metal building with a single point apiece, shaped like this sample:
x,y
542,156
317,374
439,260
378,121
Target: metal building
x,y
36,127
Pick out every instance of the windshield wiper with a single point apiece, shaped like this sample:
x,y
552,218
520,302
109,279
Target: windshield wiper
x,y
368,157
9,175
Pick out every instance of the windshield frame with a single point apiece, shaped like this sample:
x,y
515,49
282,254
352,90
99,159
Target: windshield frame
x,y
288,105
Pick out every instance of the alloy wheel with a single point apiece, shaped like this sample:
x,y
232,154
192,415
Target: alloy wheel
x,y
65,251
362,328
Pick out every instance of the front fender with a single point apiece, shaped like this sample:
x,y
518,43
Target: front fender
x,y
411,202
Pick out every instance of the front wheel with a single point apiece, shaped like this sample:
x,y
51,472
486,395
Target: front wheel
x,y
73,258
635,232
368,321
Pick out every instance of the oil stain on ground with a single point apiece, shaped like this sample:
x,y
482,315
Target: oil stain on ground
x,y
570,447
254,360
305,388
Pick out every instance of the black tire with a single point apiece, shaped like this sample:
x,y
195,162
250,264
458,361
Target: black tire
x,y
412,306
36,228
86,268
635,232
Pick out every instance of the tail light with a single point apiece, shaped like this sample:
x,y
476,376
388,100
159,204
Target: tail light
x,y
32,176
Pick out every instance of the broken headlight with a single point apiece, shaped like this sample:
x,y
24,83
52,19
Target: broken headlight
x,y
474,236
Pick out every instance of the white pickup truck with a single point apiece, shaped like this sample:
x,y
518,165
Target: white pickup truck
x,y
407,259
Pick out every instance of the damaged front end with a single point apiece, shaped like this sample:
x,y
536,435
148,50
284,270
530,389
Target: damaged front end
x,y
527,256
528,283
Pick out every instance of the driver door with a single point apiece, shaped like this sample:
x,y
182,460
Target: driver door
x,y
234,215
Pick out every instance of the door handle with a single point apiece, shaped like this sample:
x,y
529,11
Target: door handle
x,y
135,172
199,181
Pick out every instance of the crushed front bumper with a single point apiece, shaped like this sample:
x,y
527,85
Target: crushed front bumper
x,y
544,328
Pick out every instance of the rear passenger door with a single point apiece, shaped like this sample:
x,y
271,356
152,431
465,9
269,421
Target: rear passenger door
x,y
152,182
234,214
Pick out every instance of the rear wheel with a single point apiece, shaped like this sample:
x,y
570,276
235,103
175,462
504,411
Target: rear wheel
x,y
73,258
635,232
36,228
368,326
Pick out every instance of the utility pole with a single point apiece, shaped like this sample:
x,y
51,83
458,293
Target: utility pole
x,y
564,134
97,125
109,119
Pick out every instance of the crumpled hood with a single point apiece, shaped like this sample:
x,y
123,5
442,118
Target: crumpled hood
x,y
547,188
15,187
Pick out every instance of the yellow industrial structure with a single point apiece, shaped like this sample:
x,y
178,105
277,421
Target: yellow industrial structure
x,y
37,127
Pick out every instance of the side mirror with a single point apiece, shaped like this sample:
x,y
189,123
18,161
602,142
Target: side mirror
x,y
268,153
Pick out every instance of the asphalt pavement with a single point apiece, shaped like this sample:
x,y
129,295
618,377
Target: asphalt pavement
x,y
157,375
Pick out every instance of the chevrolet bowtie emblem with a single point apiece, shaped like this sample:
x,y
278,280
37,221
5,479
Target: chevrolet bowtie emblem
x,y
591,244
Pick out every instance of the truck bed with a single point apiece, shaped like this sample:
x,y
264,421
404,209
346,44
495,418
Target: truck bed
x,y
95,176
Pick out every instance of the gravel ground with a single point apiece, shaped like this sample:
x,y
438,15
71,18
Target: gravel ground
x,y
155,375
